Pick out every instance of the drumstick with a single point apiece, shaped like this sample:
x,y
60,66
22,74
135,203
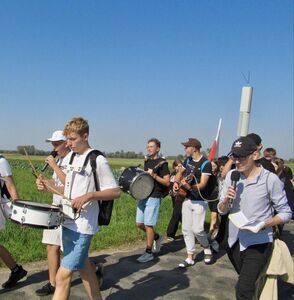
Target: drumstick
x,y
46,184
31,164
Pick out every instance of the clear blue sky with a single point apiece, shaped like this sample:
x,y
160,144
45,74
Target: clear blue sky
x,y
141,69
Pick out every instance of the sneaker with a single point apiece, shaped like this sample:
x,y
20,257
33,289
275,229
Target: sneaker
x,y
187,263
47,289
14,277
99,273
157,244
215,246
207,256
145,257
170,239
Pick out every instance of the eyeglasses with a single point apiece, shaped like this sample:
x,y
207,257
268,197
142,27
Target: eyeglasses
x,y
239,158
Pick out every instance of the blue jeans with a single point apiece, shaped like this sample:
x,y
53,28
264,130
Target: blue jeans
x,y
75,248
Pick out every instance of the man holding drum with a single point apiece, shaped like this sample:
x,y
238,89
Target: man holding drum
x,y
80,188
8,190
51,237
148,209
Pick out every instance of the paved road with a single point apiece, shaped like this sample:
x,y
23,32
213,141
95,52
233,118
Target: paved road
x,y
160,279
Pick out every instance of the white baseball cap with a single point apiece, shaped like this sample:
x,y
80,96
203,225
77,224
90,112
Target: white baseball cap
x,y
57,136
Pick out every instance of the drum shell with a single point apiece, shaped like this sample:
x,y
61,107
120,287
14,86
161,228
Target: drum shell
x,y
36,215
136,182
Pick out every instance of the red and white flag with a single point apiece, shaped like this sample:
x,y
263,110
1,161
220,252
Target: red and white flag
x,y
214,148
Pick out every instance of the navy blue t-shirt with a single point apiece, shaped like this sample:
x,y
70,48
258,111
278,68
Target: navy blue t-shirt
x,y
202,166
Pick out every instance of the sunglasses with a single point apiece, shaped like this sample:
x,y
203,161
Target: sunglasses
x,y
239,158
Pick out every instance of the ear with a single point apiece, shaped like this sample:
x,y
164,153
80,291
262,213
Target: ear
x,y
255,154
86,136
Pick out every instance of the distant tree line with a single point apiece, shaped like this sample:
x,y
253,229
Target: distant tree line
x,y
31,150
125,154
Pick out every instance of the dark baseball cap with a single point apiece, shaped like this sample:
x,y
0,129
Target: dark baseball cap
x,y
255,138
192,143
243,146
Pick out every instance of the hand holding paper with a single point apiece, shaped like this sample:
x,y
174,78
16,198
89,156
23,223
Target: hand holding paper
x,y
240,221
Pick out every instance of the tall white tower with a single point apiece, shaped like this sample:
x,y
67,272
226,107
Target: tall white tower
x,y
245,108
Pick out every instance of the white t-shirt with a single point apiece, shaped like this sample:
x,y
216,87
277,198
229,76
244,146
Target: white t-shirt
x,y
62,164
5,170
78,182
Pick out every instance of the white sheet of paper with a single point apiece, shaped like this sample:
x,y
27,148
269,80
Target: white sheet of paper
x,y
238,219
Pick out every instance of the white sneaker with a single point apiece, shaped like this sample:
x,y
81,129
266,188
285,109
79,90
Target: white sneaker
x,y
157,244
215,246
207,256
145,257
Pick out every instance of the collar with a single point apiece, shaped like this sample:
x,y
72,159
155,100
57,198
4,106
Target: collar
x,y
256,179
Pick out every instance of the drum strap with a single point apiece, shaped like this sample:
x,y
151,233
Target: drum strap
x,y
105,207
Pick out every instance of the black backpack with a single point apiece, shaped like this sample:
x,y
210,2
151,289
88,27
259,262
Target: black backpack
x,y
105,207
4,190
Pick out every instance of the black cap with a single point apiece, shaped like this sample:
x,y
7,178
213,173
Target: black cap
x,y
255,138
243,146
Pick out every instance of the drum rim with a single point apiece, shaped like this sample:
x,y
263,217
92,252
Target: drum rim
x,y
35,226
22,203
133,181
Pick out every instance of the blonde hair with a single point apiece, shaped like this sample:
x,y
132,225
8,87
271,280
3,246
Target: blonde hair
x,y
78,125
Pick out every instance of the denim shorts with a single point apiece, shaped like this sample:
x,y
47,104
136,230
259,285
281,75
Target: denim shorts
x,y
148,211
75,248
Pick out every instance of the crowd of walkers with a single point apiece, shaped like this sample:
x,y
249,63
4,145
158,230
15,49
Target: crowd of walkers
x,y
257,185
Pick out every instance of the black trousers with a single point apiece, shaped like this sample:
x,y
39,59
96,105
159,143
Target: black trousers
x,y
222,235
176,218
248,264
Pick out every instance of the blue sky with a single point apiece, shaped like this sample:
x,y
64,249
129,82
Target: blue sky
x,y
141,69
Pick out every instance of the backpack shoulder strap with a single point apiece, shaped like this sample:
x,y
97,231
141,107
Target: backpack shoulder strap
x,y
269,193
92,155
72,158
203,165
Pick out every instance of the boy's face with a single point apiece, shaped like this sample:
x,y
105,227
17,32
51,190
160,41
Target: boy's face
x,y
60,147
189,150
246,163
77,143
152,148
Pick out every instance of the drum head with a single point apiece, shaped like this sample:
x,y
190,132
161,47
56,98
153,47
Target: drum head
x,y
142,186
35,205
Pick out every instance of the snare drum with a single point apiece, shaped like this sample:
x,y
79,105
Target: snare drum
x,y
37,215
136,182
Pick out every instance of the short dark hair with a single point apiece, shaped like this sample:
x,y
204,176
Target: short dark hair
x,y
270,151
156,141
176,162
222,160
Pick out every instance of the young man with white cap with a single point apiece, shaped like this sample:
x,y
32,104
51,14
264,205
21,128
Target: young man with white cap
x,y
51,237
254,197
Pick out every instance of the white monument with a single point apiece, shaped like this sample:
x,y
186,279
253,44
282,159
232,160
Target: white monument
x,y
245,108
